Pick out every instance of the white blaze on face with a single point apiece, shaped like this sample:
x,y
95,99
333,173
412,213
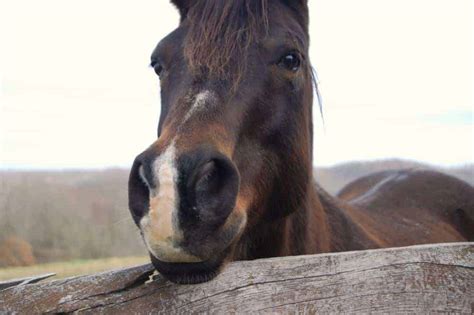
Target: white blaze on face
x,y
202,101
160,225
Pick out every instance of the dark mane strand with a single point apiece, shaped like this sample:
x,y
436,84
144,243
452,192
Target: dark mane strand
x,y
315,81
218,41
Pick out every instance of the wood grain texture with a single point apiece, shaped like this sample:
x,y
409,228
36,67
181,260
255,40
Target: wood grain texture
x,y
21,281
416,279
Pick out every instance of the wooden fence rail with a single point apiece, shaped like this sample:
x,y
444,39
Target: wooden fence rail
x,y
416,279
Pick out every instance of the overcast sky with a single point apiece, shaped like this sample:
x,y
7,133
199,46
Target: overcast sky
x,y
396,78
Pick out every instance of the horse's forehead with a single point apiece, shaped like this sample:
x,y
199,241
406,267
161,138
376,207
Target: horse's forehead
x,y
170,45
280,24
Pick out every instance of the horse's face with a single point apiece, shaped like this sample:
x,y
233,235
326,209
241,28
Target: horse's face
x,y
233,136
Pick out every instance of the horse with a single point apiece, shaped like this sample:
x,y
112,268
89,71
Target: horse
x,y
230,174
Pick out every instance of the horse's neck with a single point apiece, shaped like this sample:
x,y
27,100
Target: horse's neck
x,y
325,225
321,225
345,232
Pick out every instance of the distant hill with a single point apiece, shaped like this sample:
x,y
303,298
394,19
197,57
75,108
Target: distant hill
x,y
335,177
84,214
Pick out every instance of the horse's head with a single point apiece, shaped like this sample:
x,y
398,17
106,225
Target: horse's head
x,y
234,136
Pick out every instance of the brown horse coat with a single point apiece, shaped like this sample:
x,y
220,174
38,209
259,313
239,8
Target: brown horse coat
x,y
230,175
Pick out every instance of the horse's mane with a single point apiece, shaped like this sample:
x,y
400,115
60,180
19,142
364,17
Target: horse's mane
x,y
220,34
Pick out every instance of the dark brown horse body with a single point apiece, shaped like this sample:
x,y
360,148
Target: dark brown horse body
x,y
412,207
386,209
230,175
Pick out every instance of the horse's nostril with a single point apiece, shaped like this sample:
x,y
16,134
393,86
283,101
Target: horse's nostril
x,y
207,178
212,189
138,191
206,170
141,173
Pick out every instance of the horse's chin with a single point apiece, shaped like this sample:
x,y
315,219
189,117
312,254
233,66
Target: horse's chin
x,y
190,273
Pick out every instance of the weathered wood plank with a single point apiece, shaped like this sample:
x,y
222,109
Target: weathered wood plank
x,y
417,279
22,281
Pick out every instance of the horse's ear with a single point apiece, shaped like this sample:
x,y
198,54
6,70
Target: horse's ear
x,y
183,6
297,5
300,7
302,4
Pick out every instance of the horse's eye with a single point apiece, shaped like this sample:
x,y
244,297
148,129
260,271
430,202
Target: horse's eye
x,y
157,67
290,62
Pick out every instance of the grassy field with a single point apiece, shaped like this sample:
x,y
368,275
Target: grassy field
x,y
72,268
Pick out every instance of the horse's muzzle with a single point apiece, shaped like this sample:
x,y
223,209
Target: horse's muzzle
x,y
184,205
191,273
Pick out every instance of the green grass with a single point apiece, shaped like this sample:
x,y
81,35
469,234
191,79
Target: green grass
x,y
72,268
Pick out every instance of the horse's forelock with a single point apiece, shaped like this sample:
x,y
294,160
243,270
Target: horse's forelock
x,y
220,34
